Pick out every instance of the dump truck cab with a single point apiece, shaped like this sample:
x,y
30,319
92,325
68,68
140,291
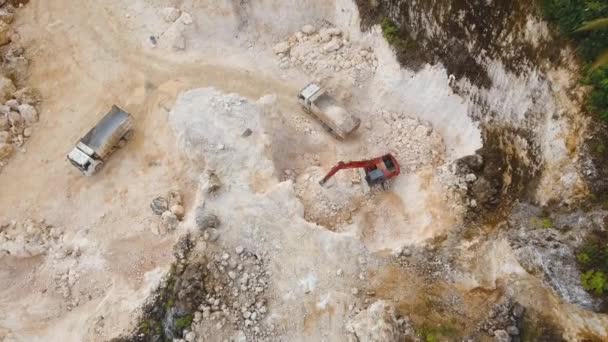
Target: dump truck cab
x,y
326,109
97,145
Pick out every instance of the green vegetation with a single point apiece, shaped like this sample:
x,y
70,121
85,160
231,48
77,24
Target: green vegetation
x,y
583,21
600,148
595,281
593,261
390,31
183,322
434,333
598,98
394,35
542,223
150,327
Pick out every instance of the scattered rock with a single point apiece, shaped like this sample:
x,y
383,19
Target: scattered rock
x,y
182,248
27,95
15,119
308,29
211,235
170,14
12,104
5,33
333,45
210,182
6,15
27,132
175,198
178,210
501,336
6,150
4,136
334,31
239,250
281,48
7,88
169,221
473,162
4,123
179,42
186,18
29,113
512,330
190,336
246,133
518,310
159,205
206,220
483,191
470,178
377,323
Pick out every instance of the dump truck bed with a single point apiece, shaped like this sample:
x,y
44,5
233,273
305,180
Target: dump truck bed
x,y
334,115
106,134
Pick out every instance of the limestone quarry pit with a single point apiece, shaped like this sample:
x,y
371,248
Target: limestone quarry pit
x,y
210,223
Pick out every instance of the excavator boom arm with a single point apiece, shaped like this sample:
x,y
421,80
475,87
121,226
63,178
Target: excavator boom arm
x,y
346,165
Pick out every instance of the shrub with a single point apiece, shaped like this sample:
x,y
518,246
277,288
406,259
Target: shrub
x,y
542,223
183,322
593,261
395,36
430,333
595,281
598,98
390,31
570,16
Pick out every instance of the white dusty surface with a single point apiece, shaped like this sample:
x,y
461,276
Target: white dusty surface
x,y
88,282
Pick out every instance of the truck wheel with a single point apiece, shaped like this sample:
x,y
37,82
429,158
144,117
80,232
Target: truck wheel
x,y
98,167
128,135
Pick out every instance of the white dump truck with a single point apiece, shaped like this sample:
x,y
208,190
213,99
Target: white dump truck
x,y
111,132
334,117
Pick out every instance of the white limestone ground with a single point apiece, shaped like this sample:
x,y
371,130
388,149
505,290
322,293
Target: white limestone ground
x,y
321,247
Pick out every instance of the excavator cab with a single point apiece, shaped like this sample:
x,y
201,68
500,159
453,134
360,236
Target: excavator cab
x,y
383,169
377,170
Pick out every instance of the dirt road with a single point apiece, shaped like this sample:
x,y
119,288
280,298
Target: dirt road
x,y
82,63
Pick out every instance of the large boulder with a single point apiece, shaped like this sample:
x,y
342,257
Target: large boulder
x,y
376,324
28,113
7,88
7,14
6,150
206,220
27,95
5,33
4,137
4,123
282,47
159,205
170,14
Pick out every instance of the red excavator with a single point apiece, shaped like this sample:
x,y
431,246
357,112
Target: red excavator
x,y
377,170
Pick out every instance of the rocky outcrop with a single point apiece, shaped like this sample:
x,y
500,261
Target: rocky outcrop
x,y
379,323
546,245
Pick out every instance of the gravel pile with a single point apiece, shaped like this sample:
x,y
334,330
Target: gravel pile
x,y
18,112
324,52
